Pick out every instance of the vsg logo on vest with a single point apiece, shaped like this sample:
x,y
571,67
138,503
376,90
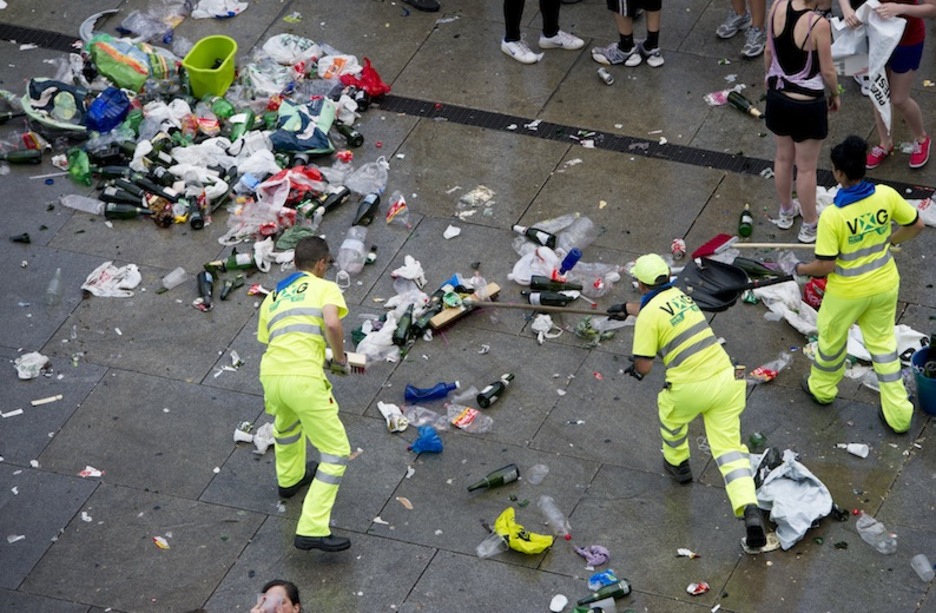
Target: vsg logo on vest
x,y
866,223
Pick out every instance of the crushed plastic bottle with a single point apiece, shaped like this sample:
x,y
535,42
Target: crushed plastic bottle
x,y
352,254
54,290
875,534
554,517
770,370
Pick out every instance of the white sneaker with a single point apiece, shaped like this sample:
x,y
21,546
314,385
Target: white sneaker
x,y
785,219
653,56
562,40
520,51
807,233
733,24
865,82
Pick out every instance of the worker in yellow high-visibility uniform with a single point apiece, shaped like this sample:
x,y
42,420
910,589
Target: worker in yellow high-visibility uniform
x,y
700,380
853,251
296,320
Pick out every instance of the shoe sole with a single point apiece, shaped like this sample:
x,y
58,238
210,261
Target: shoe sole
x,y
921,164
804,383
549,46
327,549
887,425
733,34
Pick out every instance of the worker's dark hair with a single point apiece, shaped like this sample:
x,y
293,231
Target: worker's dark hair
x,y
849,156
290,588
310,250
660,282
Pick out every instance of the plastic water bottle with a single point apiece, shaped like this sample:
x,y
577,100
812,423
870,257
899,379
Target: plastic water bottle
x,y
581,233
554,517
436,392
83,204
352,254
875,534
54,290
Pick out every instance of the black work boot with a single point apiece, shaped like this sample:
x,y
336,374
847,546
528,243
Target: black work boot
x,y
330,543
754,526
682,473
292,490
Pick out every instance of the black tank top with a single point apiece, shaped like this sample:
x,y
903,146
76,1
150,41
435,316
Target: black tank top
x,y
791,58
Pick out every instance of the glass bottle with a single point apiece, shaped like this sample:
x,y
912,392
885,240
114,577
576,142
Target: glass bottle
x,y
497,478
616,590
746,222
547,298
402,332
537,236
492,392
54,290
540,283
367,208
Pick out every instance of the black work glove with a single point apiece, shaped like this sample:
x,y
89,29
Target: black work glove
x,y
630,370
618,311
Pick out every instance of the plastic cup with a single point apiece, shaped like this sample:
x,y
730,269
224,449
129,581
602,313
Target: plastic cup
x,y
492,545
922,566
175,278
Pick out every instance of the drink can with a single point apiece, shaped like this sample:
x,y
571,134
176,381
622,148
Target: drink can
x,y
605,76
678,247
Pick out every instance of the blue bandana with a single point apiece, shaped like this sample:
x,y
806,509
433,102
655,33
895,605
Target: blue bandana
x,y
288,281
649,295
848,195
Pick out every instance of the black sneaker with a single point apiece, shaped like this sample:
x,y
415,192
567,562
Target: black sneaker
x,y
682,473
754,526
325,543
805,383
887,425
430,6
292,490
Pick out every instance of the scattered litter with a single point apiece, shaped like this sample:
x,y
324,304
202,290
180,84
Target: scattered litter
x,y
697,588
31,365
857,449
90,471
12,413
15,537
85,517
533,125
485,349
479,196
405,502
45,400
216,470
537,473
558,603
595,555
280,507
355,454
562,392
451,232
108,280
410,471
161,542
602,579
682,552
15,490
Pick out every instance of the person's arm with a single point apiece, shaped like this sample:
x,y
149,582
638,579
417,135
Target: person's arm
x,y
334,333
816,268
925,9
822,35
643,365
848,14
768,56
905,233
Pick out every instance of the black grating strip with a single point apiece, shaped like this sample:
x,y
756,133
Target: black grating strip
x,y
512,123
41,38
612,142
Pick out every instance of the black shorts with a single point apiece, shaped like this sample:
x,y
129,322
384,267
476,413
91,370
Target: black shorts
x,y
799,119
628,8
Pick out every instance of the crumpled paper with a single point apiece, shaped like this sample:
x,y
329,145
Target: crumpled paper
x,y
110,281
595,555
30,365
543,326
264,255
263,438
411,270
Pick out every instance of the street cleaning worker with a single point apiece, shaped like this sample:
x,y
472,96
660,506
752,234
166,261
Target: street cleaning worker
x,y
296,320
853,251
700,380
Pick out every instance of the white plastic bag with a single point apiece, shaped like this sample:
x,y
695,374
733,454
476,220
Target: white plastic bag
x,y
110,281
290,49
370,178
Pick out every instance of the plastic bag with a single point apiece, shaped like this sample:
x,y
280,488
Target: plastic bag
x,y
30,365
421,416
596,278
370,178
108,110
265,76
813,292
111,281
293,50
367,79
428,441
468,419
398,211
770,370
304,127
218,9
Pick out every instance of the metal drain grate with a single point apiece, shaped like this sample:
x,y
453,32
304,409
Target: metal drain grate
x,y
612,142
41,38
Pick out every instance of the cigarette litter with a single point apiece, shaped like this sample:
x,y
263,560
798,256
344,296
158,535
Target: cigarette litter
x,y
378,520
15,537
405,502
682,552
12,413
46,400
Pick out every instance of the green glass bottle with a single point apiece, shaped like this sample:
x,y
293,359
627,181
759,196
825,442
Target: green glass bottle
x,y
497,478
22,156
114,210
746,222
547,298
241,123
354,138
219,106
492,392
402,332
616,590
539,282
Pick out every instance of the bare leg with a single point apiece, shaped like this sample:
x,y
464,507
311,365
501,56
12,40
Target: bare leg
x,y
758,12
902,102
783,171
625,25
807,158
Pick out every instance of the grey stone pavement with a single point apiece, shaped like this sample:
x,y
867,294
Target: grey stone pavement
x,y
142,399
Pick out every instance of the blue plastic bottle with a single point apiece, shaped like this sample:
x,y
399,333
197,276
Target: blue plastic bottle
x,y
422,394
571,259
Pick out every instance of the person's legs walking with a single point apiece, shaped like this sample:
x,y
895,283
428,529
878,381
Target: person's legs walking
x,y
836,315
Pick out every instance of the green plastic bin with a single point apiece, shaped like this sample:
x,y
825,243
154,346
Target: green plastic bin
x,y
210,65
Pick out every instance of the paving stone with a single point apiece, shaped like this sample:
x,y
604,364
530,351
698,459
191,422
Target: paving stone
x,y
19,601
117,550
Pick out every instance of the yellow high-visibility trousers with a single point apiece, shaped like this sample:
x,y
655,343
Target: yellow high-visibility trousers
x,y
720,400
875,315
304,407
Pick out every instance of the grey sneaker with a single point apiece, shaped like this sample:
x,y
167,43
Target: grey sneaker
x,y
754,41
807,233
785,219
653,56
612,55
733,24
562,40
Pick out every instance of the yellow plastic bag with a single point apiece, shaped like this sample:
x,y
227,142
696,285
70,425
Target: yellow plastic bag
x,y
517,537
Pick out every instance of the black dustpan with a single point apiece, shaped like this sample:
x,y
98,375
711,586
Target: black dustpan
x,y
715,286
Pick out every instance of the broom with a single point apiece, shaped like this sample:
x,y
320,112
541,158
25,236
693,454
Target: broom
x,y
614,309
723,242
